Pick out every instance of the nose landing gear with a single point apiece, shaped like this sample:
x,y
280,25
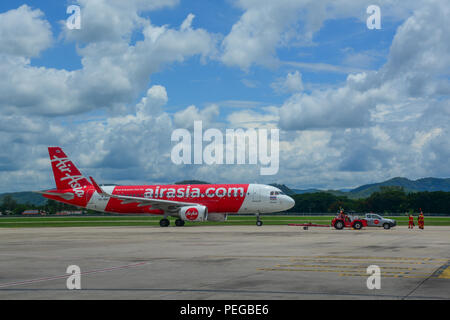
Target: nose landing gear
x,y
259,223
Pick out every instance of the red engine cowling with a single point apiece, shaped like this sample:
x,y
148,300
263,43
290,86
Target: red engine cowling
x,y
194,213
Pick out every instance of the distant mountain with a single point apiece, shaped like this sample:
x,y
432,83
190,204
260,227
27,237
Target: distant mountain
x,y
364,191
283,188
424,184
301,191
25,197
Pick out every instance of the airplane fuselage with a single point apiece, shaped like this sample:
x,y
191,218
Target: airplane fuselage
x,y
218,198
198,202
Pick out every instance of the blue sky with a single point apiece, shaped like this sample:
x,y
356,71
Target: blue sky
x,y
353,105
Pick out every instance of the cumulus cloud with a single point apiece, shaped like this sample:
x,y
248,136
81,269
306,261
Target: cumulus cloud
x,y
185,118
416,63
111,20
292,83
267,25
152,103
254,38
24,32
114,71
267,117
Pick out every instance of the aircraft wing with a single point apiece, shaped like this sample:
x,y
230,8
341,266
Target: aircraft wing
x,y
166,205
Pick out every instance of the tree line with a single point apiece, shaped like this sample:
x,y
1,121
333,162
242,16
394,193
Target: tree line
x,y
387,200
12,207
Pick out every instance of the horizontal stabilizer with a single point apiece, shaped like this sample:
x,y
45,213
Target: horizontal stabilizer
x,y
64,195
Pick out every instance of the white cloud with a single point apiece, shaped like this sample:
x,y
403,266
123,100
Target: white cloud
x,y
292,83
24,32
114,71
416,63
323,67
266,117
152,103
111,20
267,25
255,36
187,22
185,118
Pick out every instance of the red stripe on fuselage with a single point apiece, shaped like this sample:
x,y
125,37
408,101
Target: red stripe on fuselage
x,y
216,197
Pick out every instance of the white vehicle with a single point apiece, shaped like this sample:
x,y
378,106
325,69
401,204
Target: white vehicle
x,y
374,220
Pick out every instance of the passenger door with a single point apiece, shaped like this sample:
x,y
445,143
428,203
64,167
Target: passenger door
x,y
369,219
376,220
256,196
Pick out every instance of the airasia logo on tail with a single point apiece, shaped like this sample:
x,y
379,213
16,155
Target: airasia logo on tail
x,y
64,167
191,214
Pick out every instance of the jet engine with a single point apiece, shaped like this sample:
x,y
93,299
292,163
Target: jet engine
x,y
194,213
217,217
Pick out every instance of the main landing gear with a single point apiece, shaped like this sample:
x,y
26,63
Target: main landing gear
x,y
259,223
179,223
165,222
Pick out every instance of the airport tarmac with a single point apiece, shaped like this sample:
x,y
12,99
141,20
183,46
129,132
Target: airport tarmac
x,y
224,262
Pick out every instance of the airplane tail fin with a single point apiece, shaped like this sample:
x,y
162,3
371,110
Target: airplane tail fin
x,y
66,174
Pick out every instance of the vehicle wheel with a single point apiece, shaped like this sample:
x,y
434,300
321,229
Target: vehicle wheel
x,y
357,225
259,223
339,224
164,222
386,226
179,223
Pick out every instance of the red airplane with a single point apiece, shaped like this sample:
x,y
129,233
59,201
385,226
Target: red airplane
x,y
197,202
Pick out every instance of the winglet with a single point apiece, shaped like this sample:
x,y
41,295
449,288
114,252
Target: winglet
x,y
97,187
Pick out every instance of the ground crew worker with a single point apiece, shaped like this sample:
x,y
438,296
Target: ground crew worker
x,y
341,214
411,222
421,220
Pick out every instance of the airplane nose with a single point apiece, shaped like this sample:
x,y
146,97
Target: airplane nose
x,y
289,202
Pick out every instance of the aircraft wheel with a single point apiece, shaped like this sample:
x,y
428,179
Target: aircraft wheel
x,y
164,222
259,223
179,223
